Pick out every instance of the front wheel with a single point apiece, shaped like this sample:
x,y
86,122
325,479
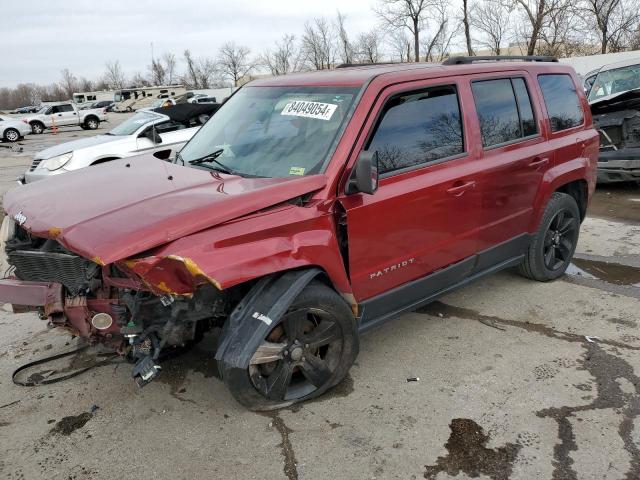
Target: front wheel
x,y
554,244
304,355
11,135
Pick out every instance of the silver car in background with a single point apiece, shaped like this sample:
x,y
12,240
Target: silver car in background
x,y
162,132
12,130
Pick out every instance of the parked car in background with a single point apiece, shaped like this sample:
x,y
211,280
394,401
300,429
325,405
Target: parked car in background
x,y
30,109
106,104
614,97
311,208
161,132
63,114
12,130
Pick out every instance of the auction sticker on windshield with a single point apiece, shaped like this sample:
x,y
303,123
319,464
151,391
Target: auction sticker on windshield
x,y
302,108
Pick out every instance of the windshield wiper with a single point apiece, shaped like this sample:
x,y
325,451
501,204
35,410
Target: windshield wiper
x,y
221,167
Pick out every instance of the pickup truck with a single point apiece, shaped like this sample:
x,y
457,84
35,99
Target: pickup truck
x,y
63,115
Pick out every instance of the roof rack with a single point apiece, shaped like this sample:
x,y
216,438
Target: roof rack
x,y
364,64
495,58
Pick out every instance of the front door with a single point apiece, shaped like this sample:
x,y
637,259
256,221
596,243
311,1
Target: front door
x,y
424,216
64,115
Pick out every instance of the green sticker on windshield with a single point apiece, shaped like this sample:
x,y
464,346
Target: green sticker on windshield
x,y
296,171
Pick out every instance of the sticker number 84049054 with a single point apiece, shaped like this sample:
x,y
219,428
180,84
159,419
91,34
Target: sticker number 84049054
x,y
301,108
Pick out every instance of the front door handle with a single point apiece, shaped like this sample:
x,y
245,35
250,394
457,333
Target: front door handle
x,y
538,162
459,188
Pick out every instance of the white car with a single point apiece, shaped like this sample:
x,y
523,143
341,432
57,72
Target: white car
x,y
161,132
12,130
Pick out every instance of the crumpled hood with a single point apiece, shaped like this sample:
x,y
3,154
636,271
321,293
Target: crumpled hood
x,y
113,211
76,145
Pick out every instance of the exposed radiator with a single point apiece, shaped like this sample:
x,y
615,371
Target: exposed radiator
x,y
72,271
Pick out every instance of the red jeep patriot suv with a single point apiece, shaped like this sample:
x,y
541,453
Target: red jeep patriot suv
x,y
310,208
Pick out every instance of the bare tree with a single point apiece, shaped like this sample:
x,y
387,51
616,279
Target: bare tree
x,y
68,83
140,80
368,47
437,45
113,75
399,45
613,19
467,26
234,61
190,77
347,54
157,72
85,85
318,44
284,58
169,60
537,14
492,18
407,14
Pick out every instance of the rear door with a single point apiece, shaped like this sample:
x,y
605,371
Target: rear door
x,y
514,159
424,216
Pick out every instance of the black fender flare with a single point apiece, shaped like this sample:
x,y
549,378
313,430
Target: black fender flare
x,y
257,313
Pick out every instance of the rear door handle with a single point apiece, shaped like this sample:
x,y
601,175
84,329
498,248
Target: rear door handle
x,y
459,188
538,162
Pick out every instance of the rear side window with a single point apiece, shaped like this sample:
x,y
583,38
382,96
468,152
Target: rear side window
x,y
562,101
504,110
418,128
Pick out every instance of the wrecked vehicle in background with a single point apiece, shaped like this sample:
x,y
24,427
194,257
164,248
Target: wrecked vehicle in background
x,y
614,98
308,209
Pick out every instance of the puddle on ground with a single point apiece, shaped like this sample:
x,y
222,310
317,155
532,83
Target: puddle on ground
x,y
468,453
614,273
68,425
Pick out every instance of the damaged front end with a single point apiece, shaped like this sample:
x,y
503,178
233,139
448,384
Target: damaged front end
x,y
618,122
110,304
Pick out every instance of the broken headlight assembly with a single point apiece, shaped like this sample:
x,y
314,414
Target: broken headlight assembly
x,y
54,163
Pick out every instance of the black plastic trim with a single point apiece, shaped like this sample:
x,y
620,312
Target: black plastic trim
x,y
378,310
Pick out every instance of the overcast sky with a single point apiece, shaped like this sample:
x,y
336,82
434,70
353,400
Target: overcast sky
x,y
39,38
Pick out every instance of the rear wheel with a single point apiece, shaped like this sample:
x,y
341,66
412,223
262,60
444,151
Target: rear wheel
x,y
304,355
37,127
11,135
554,243
92,123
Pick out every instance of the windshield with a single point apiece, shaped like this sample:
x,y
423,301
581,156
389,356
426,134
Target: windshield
x,y
273,131
130,126
614,81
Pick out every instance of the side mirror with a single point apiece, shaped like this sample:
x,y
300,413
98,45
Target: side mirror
x,y
364,176
153,135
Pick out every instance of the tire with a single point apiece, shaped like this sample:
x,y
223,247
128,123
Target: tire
x,y
37,127
92,123
11,135
325,346
554,243
129,109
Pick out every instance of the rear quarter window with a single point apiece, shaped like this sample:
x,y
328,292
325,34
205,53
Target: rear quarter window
x,y
562,101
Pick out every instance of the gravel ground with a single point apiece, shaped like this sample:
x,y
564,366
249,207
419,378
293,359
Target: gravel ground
x,y
517,379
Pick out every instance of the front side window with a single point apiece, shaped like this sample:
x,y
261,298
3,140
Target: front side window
x,y
418,128
272,131
504,110
562,101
